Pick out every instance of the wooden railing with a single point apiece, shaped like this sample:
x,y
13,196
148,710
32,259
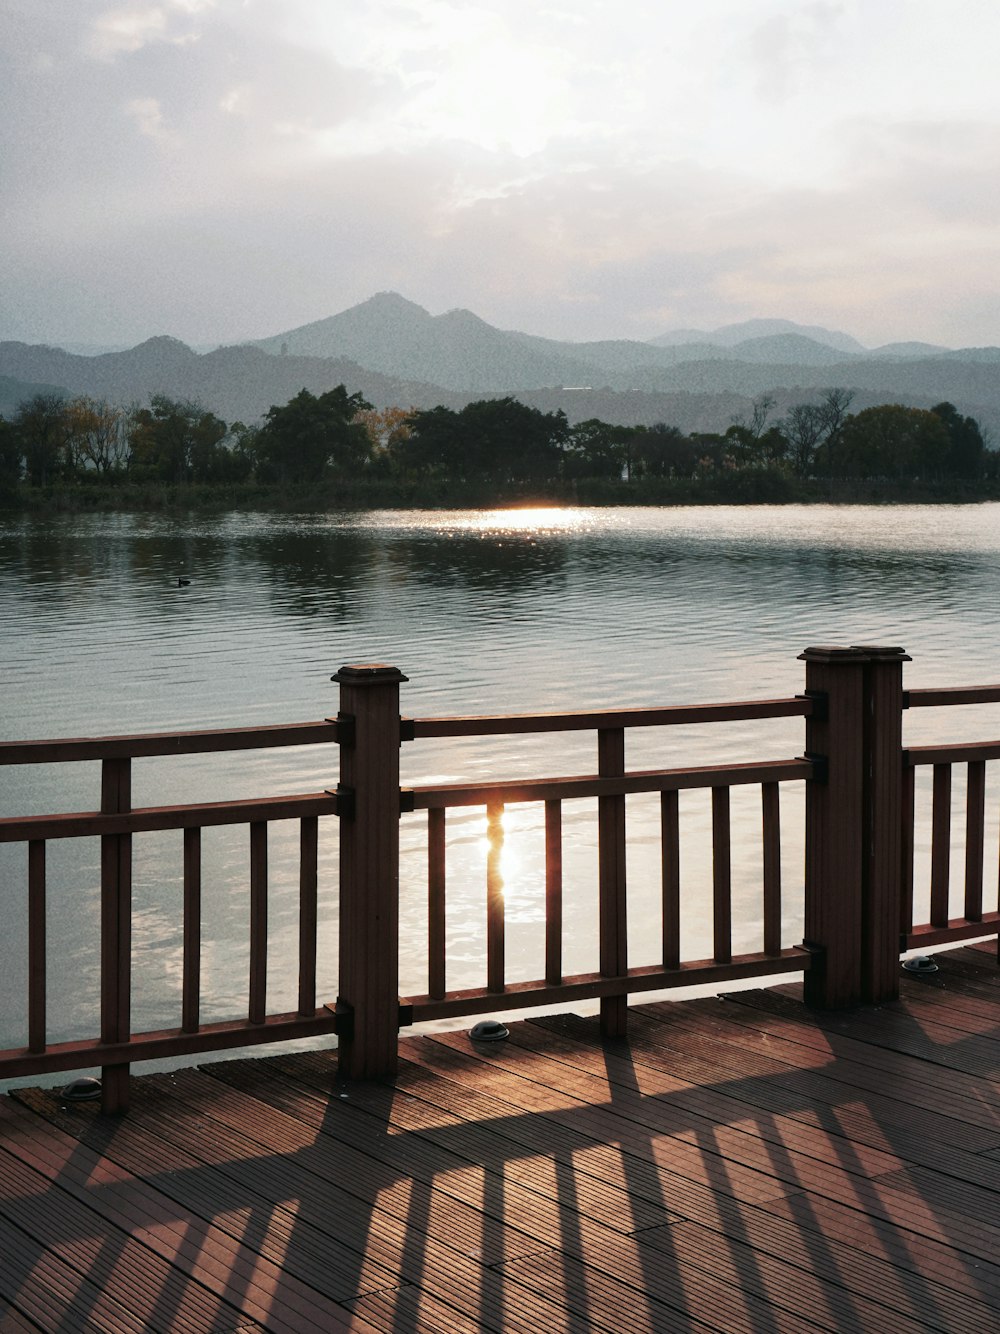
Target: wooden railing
x,y
115,824
974,919
858,869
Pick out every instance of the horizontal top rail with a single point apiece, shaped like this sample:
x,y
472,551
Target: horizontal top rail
x,y
798,706
959,753
168,743
144,819
591,785
938,696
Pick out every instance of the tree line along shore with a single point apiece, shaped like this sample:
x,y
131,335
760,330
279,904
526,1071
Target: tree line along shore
x,y
336,450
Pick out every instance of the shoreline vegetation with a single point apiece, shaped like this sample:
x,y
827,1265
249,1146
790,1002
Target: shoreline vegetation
x,y
766,487
336,451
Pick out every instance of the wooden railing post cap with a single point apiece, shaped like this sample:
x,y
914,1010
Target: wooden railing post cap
x,y
368,674
832,653
882,653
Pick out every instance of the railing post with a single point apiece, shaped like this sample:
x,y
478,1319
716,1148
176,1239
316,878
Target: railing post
x,y
834,845
369,869
853,872
882,871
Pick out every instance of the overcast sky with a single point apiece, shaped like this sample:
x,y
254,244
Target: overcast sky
x,y
225,169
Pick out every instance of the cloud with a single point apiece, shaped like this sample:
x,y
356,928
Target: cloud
x,y
148,116
554,168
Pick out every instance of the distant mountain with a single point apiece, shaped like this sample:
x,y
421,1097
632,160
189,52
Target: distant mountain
x,y
13,392
396,354
907,351
457,350
460,351
729,335
235,382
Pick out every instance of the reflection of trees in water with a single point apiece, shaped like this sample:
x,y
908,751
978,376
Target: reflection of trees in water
x,y
70,561
310,572
824,569
502,562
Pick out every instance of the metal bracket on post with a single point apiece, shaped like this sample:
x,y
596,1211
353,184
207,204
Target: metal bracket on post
x,y
345,800
343,1015
344,723
820,700
821,767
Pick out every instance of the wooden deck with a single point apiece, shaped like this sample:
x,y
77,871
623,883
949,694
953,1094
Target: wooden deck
x,y
739,1164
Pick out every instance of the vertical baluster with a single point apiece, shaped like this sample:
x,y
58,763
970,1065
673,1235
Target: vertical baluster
x,y
941,845
436,901
771,816
494,899
612,880
721,876
553,892
116,930
670,856
36,945
191,984
258,922
975,820
906,853
308,876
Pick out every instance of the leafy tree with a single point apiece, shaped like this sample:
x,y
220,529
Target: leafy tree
x,y
40,424
891,441
300,441
966,447
10,457
665,451
496,438
175,441
594,448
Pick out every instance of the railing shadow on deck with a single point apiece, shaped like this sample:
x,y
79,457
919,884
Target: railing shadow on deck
x,y
689,1184
857,877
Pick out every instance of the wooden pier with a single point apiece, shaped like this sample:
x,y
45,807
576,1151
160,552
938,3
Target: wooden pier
x,y
738,1164
822,1154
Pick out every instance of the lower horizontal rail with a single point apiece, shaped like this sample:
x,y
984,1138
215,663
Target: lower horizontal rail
x,y
168,1042
592,986
959,928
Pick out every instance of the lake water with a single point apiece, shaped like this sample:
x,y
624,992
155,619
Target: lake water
x,y
485,611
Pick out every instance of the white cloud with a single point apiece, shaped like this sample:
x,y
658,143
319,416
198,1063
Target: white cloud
x,y
577,170
148,116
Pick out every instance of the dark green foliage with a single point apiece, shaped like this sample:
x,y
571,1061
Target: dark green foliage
x,y
499,439
966,449
176,442
597,449
10,458
40,427
892,441
308,436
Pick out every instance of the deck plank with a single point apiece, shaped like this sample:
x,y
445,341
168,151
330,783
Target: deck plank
x,y
735,1164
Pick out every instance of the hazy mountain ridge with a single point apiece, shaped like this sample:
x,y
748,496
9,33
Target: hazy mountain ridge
x,y
395,353
729,335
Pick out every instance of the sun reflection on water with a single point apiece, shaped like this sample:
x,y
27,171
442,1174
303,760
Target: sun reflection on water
x,y
530,519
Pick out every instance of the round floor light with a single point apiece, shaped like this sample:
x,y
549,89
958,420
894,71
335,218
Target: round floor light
x,y
922,965
489,1030
82,1090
